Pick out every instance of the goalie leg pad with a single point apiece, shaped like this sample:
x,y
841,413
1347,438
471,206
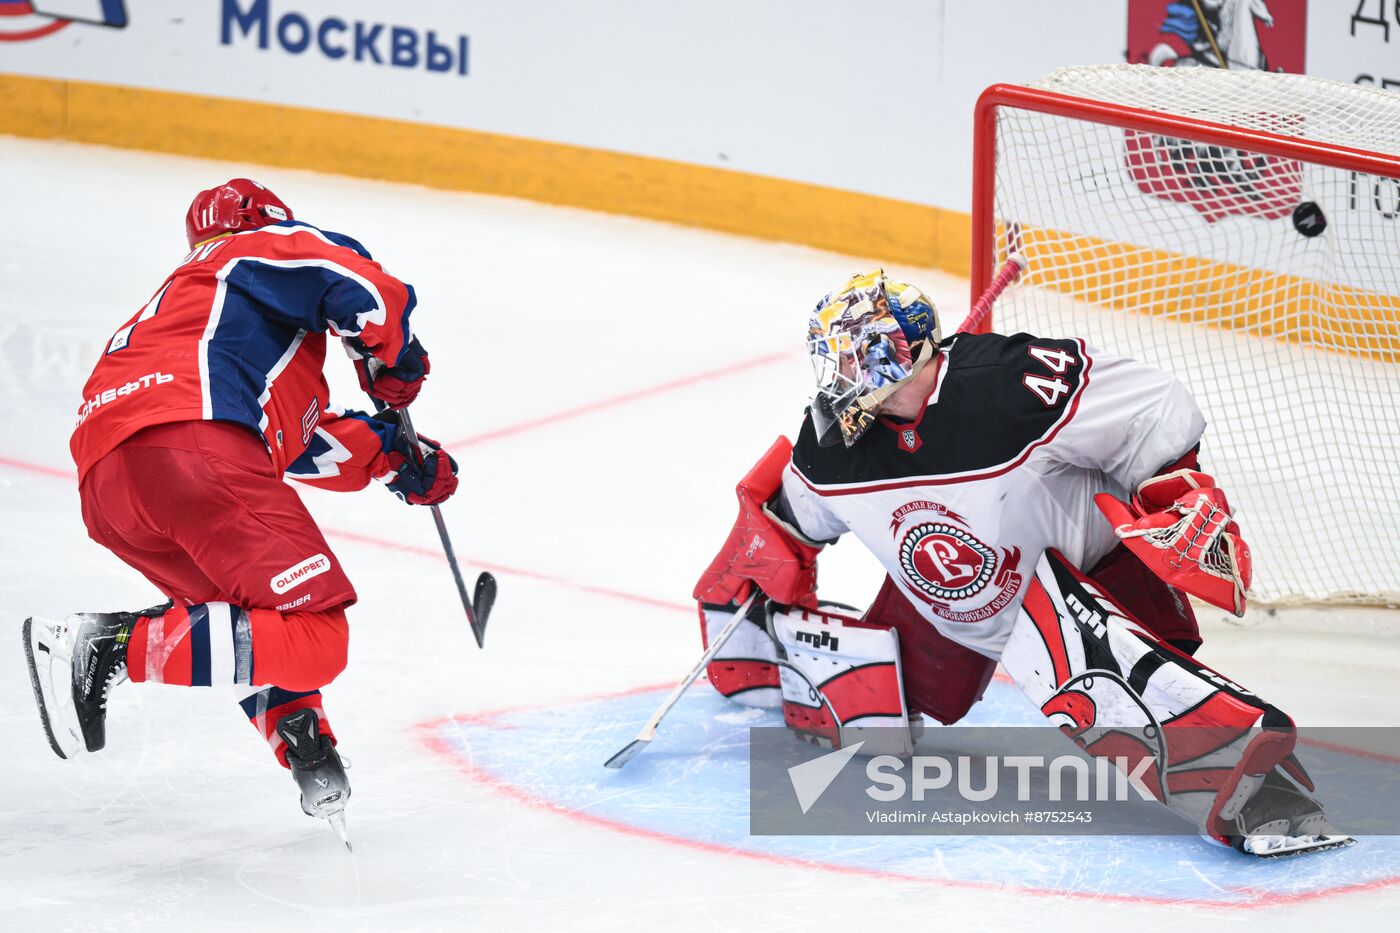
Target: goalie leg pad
x,y
1163,609
838,673
1119,691
746,668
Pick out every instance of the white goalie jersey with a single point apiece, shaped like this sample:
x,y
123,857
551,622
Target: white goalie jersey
x,y
1004,461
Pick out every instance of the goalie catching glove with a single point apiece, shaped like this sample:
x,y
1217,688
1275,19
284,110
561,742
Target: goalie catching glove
x,y
1179,525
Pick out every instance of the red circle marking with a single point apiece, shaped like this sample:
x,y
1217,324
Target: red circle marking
x,y
428,734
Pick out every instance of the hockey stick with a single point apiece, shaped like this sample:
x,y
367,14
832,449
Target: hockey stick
x,y
1015,264
648,732
478,607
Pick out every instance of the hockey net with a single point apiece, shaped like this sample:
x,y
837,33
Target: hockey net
x,y
1241,230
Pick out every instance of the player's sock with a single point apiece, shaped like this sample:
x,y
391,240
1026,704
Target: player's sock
x,y
267,706
299,650
213,644
203,645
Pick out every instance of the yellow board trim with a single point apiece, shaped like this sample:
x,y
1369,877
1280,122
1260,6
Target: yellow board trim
x,y
465,160
1189,289
885,229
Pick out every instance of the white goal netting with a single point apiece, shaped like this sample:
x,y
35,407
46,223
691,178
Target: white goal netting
x,y
1269,284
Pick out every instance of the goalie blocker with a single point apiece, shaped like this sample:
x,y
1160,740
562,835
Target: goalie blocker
x,y
935,675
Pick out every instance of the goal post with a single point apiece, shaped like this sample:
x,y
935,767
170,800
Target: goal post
x,y
1242,231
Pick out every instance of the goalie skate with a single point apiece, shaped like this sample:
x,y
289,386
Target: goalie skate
x,y
73,666
1281,819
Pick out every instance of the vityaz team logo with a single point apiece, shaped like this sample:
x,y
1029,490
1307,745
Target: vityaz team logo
x,y
21,20
944,562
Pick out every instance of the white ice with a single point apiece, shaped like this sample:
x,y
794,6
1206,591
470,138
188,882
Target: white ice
x,y
597,520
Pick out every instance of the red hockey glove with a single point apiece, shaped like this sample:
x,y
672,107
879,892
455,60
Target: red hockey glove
x,y
1179,524
428,483
761,550
398,385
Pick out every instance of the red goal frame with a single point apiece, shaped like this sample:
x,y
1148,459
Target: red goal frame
x,y
1131,118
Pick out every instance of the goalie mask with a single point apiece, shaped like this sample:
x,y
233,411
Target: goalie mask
x,y
866,339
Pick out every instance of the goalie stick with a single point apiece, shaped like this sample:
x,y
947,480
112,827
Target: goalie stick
x,y
1015,265
643,739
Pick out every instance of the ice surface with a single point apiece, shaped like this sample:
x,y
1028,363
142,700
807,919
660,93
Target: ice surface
x,y
691,786
604,381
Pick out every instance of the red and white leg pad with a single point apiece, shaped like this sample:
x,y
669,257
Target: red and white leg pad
x,y
746,668
1120,692
839,673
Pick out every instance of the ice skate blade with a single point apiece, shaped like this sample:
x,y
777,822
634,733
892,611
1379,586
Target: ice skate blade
x,y
1287,846
336,821
65,738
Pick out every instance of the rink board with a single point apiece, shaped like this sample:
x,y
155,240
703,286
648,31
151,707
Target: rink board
x,y
690,787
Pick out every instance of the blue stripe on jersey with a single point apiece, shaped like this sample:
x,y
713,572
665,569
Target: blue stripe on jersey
x,y
407,310
339,239
270,698
388,431
308,296
243,351
306,464
199,645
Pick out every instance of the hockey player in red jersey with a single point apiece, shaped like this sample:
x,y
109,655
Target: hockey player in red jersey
x,y
198,407
979,471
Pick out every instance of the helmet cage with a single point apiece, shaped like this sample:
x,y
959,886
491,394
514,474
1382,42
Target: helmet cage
x,y
860,353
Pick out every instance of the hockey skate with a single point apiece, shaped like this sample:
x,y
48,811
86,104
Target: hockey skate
x,y
318,769
1281,819
73,666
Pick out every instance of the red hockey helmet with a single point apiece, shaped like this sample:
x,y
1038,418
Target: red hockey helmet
x,y
237,204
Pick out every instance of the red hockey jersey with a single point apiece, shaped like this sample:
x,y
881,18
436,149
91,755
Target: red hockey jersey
x,y
238,333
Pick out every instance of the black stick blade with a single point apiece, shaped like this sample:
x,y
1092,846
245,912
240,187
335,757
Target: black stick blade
x,y
483,599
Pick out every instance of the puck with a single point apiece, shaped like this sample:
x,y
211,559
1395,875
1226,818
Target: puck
x,y
1308,219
